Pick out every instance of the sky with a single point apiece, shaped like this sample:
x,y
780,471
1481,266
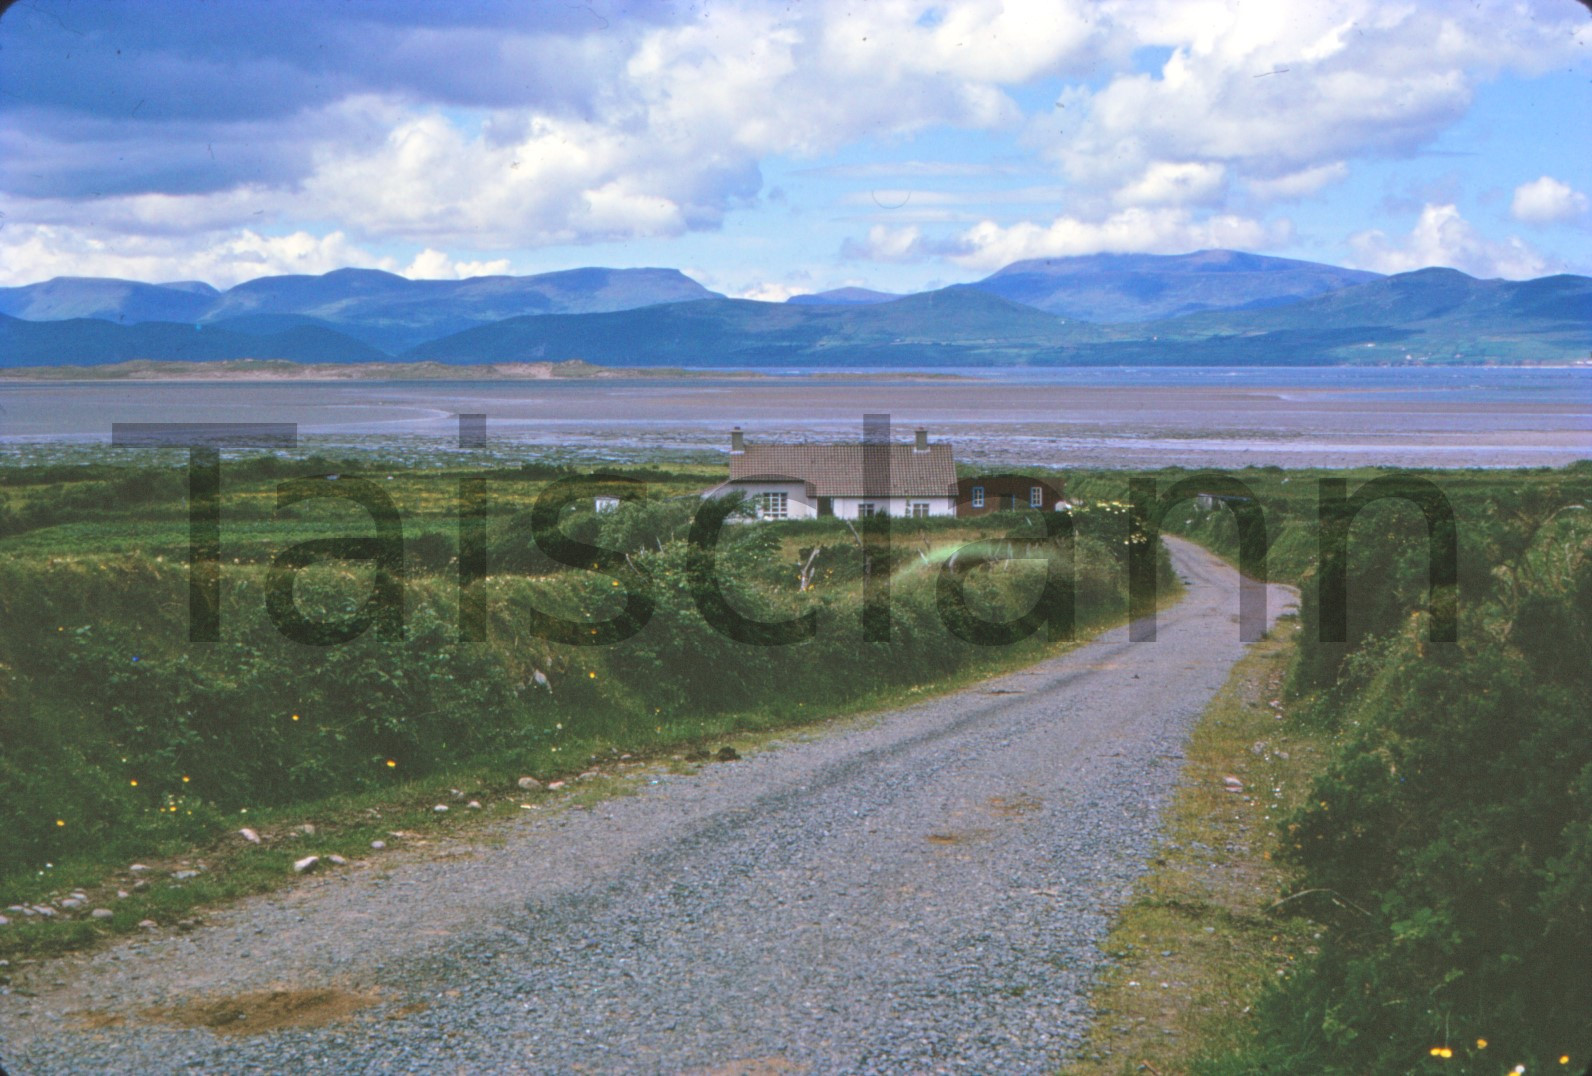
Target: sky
x,y
769,149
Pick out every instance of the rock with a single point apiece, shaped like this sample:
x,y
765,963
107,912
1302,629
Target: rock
x,y
441,808
530,784
589,774
456,794
473,805
121,894
539,678
71,902
140,886
148,924
48,913
729,754
308,863
1233,784
102,913
308,829
4,922
249,835
137,868
378,846
183,876
337,861
554,785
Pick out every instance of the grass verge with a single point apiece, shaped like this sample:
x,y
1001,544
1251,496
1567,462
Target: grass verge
x,y
1199,941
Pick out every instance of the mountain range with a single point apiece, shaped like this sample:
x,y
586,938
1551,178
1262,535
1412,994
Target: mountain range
x,y
1210,307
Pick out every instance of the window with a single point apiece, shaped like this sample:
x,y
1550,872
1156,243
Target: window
x,y
1036,496
918,509
773,505
978,496
866,508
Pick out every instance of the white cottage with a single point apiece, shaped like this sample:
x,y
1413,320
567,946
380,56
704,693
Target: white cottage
x,y
848,480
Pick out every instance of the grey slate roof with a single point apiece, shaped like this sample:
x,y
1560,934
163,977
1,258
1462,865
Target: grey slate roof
x,y
838,470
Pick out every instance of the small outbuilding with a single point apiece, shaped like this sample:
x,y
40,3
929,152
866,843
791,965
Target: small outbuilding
x,y
1006,492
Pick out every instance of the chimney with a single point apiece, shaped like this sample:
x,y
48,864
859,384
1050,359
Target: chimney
x,y
922,442
737,441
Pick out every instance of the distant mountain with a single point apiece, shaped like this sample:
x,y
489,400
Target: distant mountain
x,y
1427,315
602,316
954,326
1110,288
843,297
382,309
124,301
95,342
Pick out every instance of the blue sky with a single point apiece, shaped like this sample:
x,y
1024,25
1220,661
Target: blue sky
x,y
774,148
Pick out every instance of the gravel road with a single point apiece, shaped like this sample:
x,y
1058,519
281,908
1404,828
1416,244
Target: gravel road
x,y
923,891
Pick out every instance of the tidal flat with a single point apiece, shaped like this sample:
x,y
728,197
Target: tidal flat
x,y
1132,417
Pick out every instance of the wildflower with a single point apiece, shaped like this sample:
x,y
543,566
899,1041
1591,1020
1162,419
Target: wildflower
x,y
1481,1044
60,821
133,783
392,763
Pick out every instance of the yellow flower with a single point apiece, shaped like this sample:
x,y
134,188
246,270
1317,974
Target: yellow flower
x,y
60,821
392,763
1481,1044
184,778
133,783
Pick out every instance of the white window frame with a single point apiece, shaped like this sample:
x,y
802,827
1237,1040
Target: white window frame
x,y
918,509
978,496
1036,496
773,504
866,508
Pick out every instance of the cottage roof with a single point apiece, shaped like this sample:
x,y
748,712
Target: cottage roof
x,y
839,470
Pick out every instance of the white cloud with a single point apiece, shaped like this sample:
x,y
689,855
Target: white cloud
x,y
1175,183
767,292
37,252
1444,238
1280,93
889,244
1161,230
432,264
990,245
1300,184
1546,200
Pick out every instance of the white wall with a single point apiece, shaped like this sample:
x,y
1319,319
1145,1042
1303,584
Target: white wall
x,y
796,504
798,507
897,507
